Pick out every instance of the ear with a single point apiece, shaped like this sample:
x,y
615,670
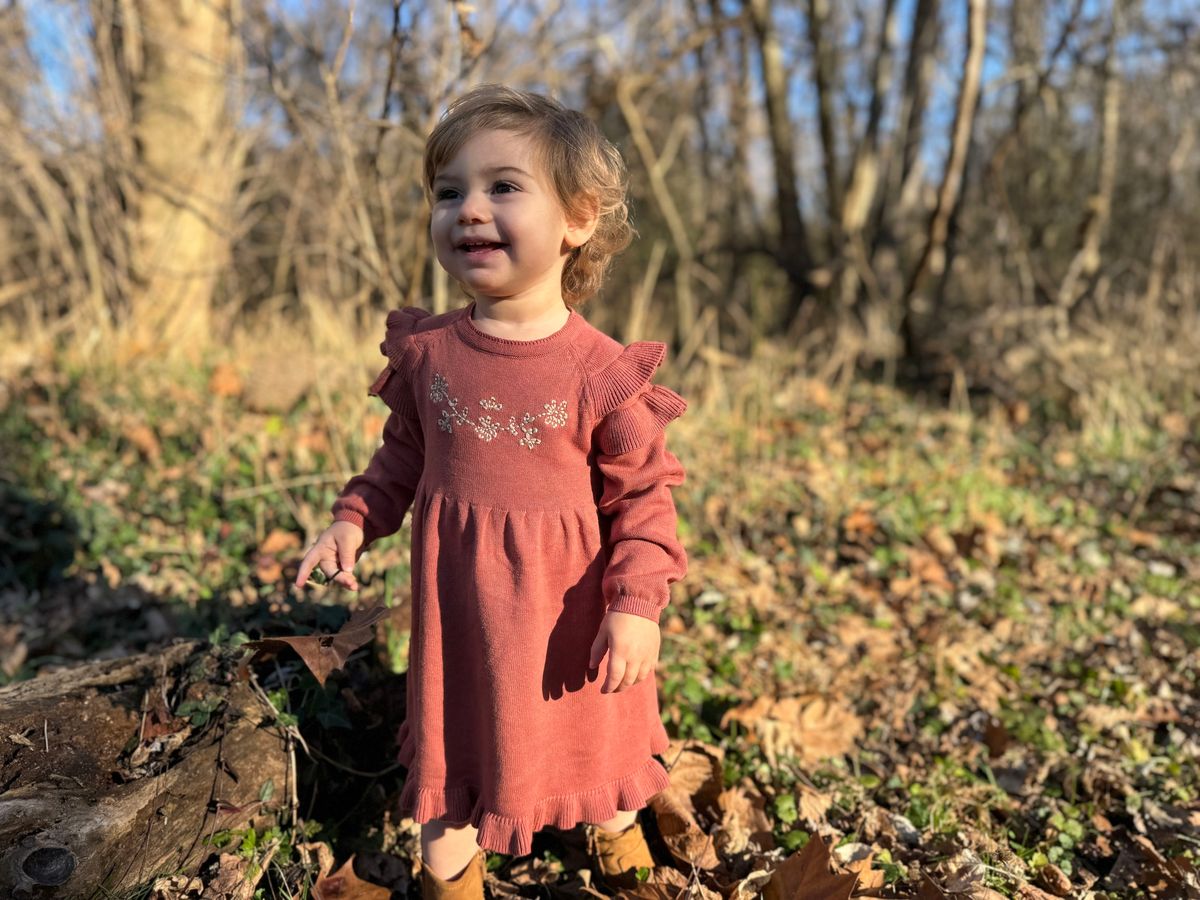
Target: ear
x,y
580,230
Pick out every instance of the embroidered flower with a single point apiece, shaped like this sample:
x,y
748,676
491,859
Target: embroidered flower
x,y
527,428
553,415
486,428
437,390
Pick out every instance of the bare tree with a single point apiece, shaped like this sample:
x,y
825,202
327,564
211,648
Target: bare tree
x,y
932,259
793,253
166,65
1086,262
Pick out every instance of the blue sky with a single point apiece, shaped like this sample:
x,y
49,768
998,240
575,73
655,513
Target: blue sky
x,y
58,40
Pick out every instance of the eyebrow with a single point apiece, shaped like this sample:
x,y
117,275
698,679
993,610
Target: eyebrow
x,y
494,170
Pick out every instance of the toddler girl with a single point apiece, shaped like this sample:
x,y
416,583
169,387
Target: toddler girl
x,y
530,447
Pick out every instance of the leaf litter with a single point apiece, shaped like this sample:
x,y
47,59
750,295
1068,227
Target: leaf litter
x,y
940,659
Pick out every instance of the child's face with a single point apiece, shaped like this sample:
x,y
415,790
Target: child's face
x,y
494,191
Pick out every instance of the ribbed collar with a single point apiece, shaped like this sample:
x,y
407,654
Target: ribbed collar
x,y
489,343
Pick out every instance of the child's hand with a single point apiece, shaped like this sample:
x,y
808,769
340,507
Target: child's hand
x,y
632,643
334,552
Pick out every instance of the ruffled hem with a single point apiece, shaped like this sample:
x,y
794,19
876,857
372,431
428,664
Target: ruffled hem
x,y
628,373
393,386
639,422
514,835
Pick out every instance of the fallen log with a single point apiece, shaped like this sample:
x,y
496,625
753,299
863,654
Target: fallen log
x,y
114,772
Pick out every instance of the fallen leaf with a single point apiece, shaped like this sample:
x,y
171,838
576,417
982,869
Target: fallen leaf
x,y
743,819
811,727
323,653
345,885
856,858
681,831
806,874
225,381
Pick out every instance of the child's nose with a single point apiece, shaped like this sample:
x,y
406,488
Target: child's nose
x,y
473,208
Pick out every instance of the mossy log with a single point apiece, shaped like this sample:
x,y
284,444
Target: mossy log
x,y
112,773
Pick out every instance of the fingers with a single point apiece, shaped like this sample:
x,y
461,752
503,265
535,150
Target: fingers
x,y
335,562
616,673
306,566
599,648
346,565
625,674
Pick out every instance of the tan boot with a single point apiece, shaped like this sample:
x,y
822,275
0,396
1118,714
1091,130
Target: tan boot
x,y
616,856
467,885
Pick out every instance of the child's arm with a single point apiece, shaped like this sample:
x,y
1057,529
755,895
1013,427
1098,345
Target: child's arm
x,y
377,499
647,556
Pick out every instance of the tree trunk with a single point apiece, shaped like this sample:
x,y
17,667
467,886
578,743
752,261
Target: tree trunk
x,y
865,178
825,76
793,252
933,258
172,66
109,779
1086,262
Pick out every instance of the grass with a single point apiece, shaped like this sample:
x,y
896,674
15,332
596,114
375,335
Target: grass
x,y
1000,607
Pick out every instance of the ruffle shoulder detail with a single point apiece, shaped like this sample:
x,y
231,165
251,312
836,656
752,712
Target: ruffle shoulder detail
x,y
394,384
630,410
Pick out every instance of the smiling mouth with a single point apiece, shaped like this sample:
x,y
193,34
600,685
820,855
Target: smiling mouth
x,y
480,246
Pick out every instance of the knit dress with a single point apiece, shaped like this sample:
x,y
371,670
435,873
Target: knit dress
x,y
539,482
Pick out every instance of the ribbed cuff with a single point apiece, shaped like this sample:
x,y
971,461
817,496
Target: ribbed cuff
x,y
646,607
349,515
356,518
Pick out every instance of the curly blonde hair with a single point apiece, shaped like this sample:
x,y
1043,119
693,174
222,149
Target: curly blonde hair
x,y
587,171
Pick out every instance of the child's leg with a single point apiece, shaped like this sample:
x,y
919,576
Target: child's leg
x,y
447,850
622,820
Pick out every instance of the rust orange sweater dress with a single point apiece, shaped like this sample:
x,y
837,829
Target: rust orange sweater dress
x,y
539,482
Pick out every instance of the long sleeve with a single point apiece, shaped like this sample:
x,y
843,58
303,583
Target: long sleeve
x,y
377,499
647,556
637,472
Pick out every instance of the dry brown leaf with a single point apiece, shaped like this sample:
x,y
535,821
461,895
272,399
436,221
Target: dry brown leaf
x,y
143,437
697,772
279,541
345,885
225,381
323,653
855,632
926,567
229,883
966,870
806,874
856,858
812,804
940,542
811,727
176,887
743,819
1054,880
681,832
860,525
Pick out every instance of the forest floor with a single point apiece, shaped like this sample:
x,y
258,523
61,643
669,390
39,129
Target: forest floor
x,y
961,648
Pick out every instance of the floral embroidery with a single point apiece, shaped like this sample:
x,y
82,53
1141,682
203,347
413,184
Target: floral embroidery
x,y
556,413
553,415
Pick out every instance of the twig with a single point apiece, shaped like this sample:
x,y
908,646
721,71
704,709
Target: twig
x,y
302,481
